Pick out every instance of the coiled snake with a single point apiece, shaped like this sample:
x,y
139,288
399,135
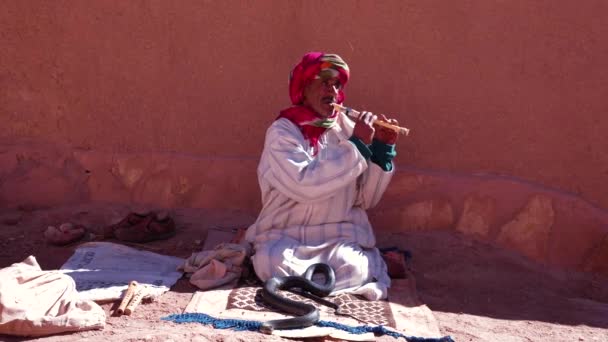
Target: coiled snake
x,y
306,314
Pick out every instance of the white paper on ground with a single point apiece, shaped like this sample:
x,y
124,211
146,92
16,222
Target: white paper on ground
x,y
102,270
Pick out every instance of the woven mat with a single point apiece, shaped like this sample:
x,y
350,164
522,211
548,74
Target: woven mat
x,y
403,312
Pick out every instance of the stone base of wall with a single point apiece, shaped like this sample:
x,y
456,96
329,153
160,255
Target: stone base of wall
x,y
33,176
548,226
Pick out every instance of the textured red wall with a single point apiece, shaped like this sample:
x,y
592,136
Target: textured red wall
x,y
507,87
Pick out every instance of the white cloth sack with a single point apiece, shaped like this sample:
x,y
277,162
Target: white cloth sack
x,y
34,302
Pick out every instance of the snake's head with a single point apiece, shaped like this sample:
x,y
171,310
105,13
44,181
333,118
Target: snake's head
x,y
266,329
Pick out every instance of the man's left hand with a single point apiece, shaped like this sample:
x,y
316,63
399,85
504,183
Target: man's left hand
x,y
386,135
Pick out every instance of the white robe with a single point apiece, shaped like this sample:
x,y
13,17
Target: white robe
x,y
314,209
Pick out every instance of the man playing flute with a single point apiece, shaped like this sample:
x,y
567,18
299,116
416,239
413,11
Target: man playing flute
x,y
319,172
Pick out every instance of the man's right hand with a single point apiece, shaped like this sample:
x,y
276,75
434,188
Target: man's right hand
x,y
364,127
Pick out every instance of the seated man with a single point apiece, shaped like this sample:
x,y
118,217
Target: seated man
x,y
318,173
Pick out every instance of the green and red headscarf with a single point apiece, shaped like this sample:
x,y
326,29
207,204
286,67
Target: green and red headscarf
x,y
313,65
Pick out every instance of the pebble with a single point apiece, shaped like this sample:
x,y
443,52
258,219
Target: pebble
x,y
10,219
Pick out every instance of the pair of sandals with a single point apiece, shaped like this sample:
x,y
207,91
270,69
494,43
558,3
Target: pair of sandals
x,y
146,227
133,228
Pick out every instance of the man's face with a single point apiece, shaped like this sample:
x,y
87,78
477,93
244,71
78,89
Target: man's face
x,y
320,93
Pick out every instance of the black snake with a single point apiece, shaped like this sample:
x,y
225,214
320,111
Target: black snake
x,y
306,314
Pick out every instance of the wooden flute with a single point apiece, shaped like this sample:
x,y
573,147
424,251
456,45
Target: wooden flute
x,y
353,114
131,291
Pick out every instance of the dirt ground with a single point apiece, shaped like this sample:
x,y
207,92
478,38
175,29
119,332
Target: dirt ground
x,y
476,291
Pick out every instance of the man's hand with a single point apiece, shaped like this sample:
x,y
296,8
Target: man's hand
x,y
364,128
387,135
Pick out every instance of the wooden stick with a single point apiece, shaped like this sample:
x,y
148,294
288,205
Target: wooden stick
x,y
353,114
142,291
127,298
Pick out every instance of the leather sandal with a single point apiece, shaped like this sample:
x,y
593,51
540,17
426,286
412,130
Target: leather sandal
x,y
139,228
130,220
66,234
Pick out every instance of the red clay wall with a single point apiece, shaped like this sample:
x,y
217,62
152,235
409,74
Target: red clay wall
x,y
504,87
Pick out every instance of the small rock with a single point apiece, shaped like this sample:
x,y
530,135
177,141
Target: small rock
x,y
529,231
478,216
10,219
428,215
162,214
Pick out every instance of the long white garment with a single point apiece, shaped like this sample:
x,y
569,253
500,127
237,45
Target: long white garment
x,y
314,209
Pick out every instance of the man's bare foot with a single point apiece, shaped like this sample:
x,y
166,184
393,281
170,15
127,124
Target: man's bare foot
x,y
396,263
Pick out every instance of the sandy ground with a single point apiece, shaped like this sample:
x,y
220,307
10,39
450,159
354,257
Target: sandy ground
x,y
476,291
